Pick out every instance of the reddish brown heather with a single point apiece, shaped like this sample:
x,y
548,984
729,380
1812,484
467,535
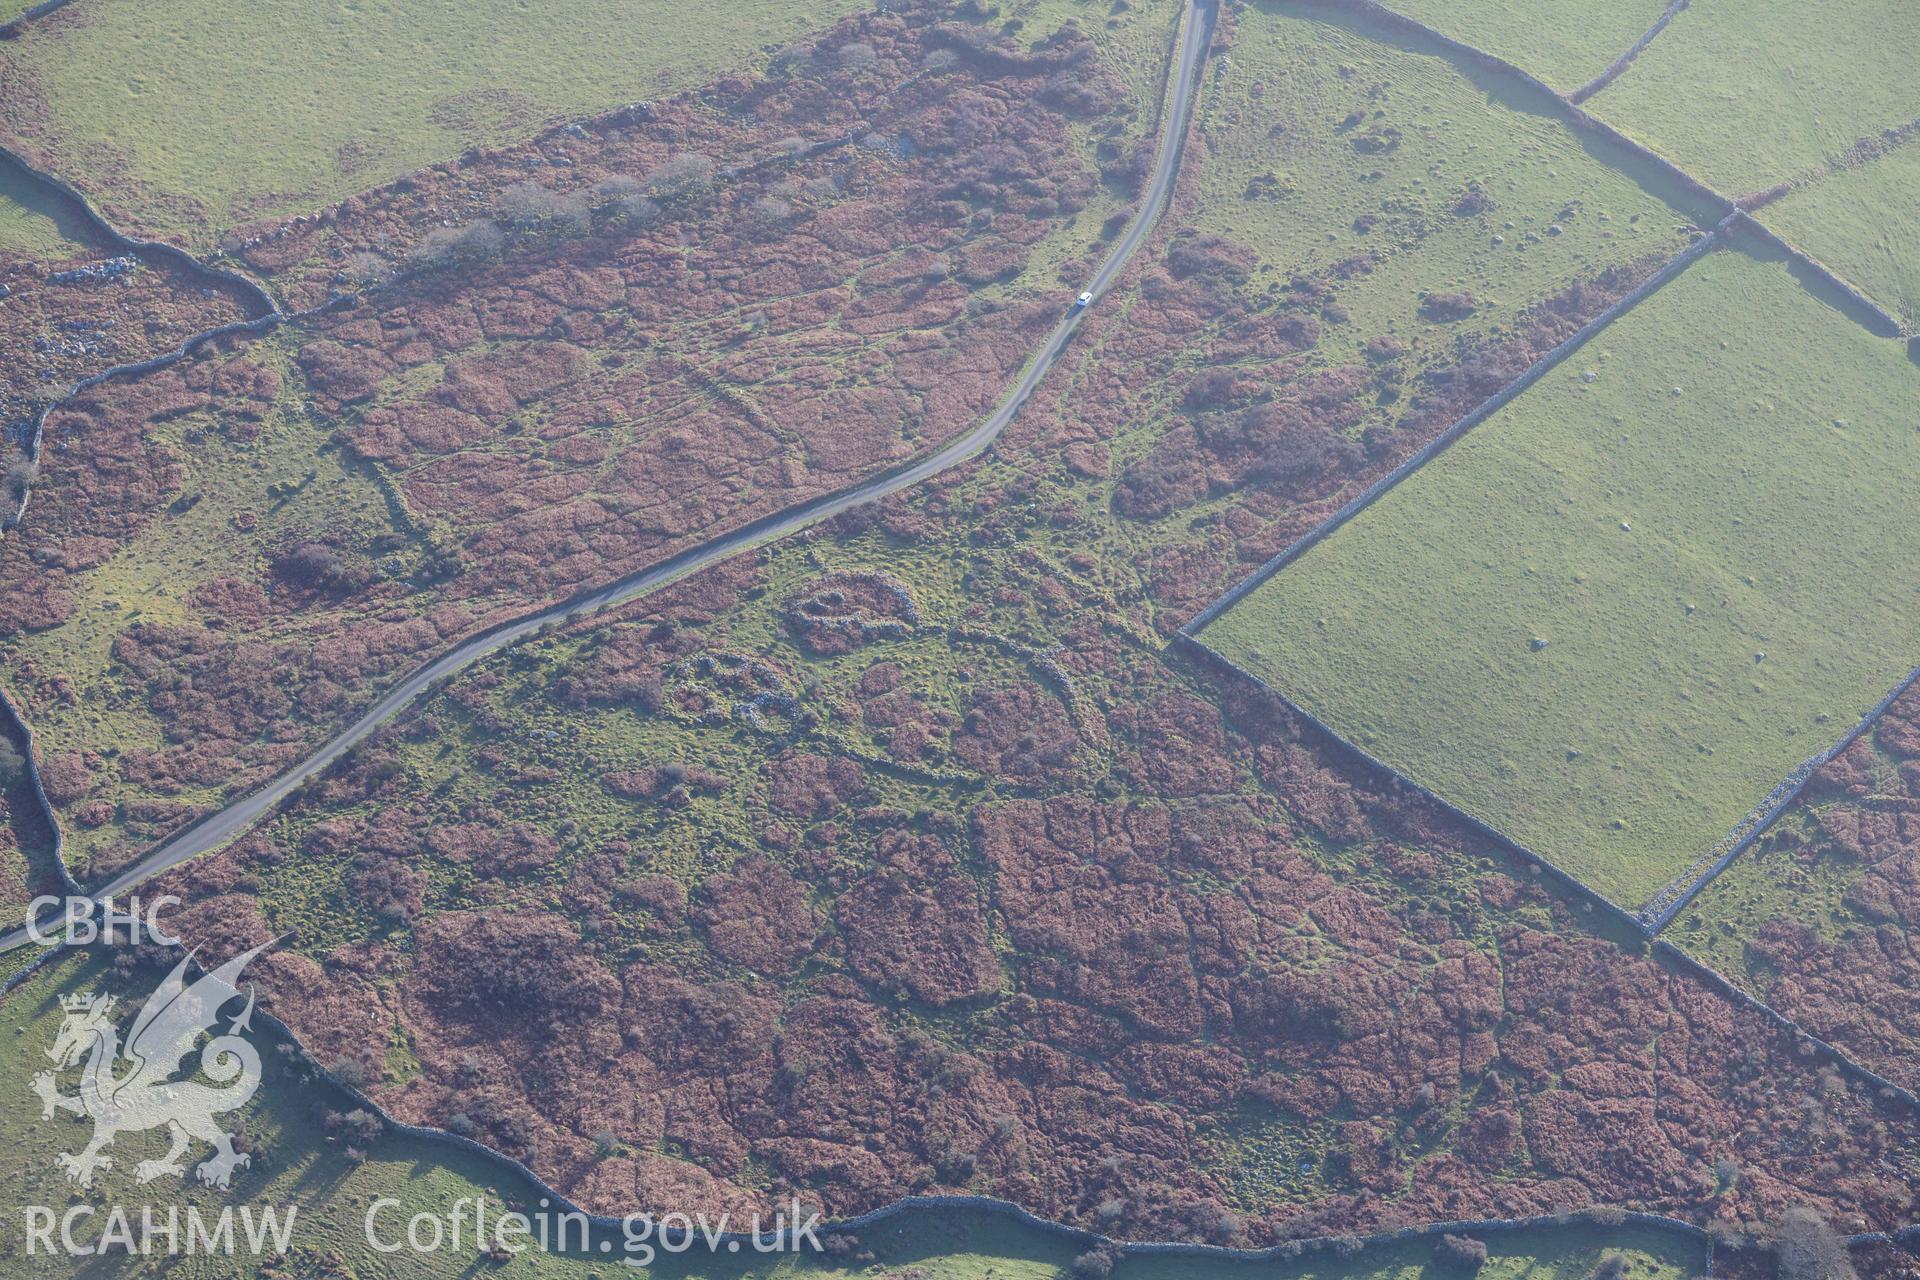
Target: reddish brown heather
x,y
1311,948
1857,984
55,332
587,403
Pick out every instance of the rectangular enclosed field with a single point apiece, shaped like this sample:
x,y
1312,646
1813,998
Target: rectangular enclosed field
x,y
1616,614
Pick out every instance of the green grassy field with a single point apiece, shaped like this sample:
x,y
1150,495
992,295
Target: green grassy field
x,y
1295,175
1747,93
1812,918
15,875
32,225
299,1164
1564,42
1557,624
1858,222
223,112
1796,873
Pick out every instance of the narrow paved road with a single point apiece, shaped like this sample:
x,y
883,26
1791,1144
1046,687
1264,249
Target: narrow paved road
x,y
216,829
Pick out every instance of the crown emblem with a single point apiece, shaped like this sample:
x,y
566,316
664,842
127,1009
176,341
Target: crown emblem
x,y
167,1033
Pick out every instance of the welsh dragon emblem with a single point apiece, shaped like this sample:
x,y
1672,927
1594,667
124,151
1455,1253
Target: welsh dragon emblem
x,y
145,1094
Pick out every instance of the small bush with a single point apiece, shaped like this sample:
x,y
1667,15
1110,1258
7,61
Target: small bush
x,y
1805,1247
13,765
685,177
1449,306
1098,1262
769,211
532,207
457,246
349,1073
624,200
361,1127
856,56
1613,1265
611,191
1474,201
845,1248
1462,1253
637,212
366,269
18,478
791,60
390,888
319,567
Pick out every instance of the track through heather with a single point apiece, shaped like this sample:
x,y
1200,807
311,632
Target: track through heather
x,y
1187,58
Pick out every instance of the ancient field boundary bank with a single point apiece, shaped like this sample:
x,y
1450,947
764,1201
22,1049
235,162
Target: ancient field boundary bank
x,y
1551,98
1625,60
271,314
255,293
12,27
1194,37
253,296
1677,1227
1433,448
1659,911
1877,318
1870,149
137,369
1684,1229
80,202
